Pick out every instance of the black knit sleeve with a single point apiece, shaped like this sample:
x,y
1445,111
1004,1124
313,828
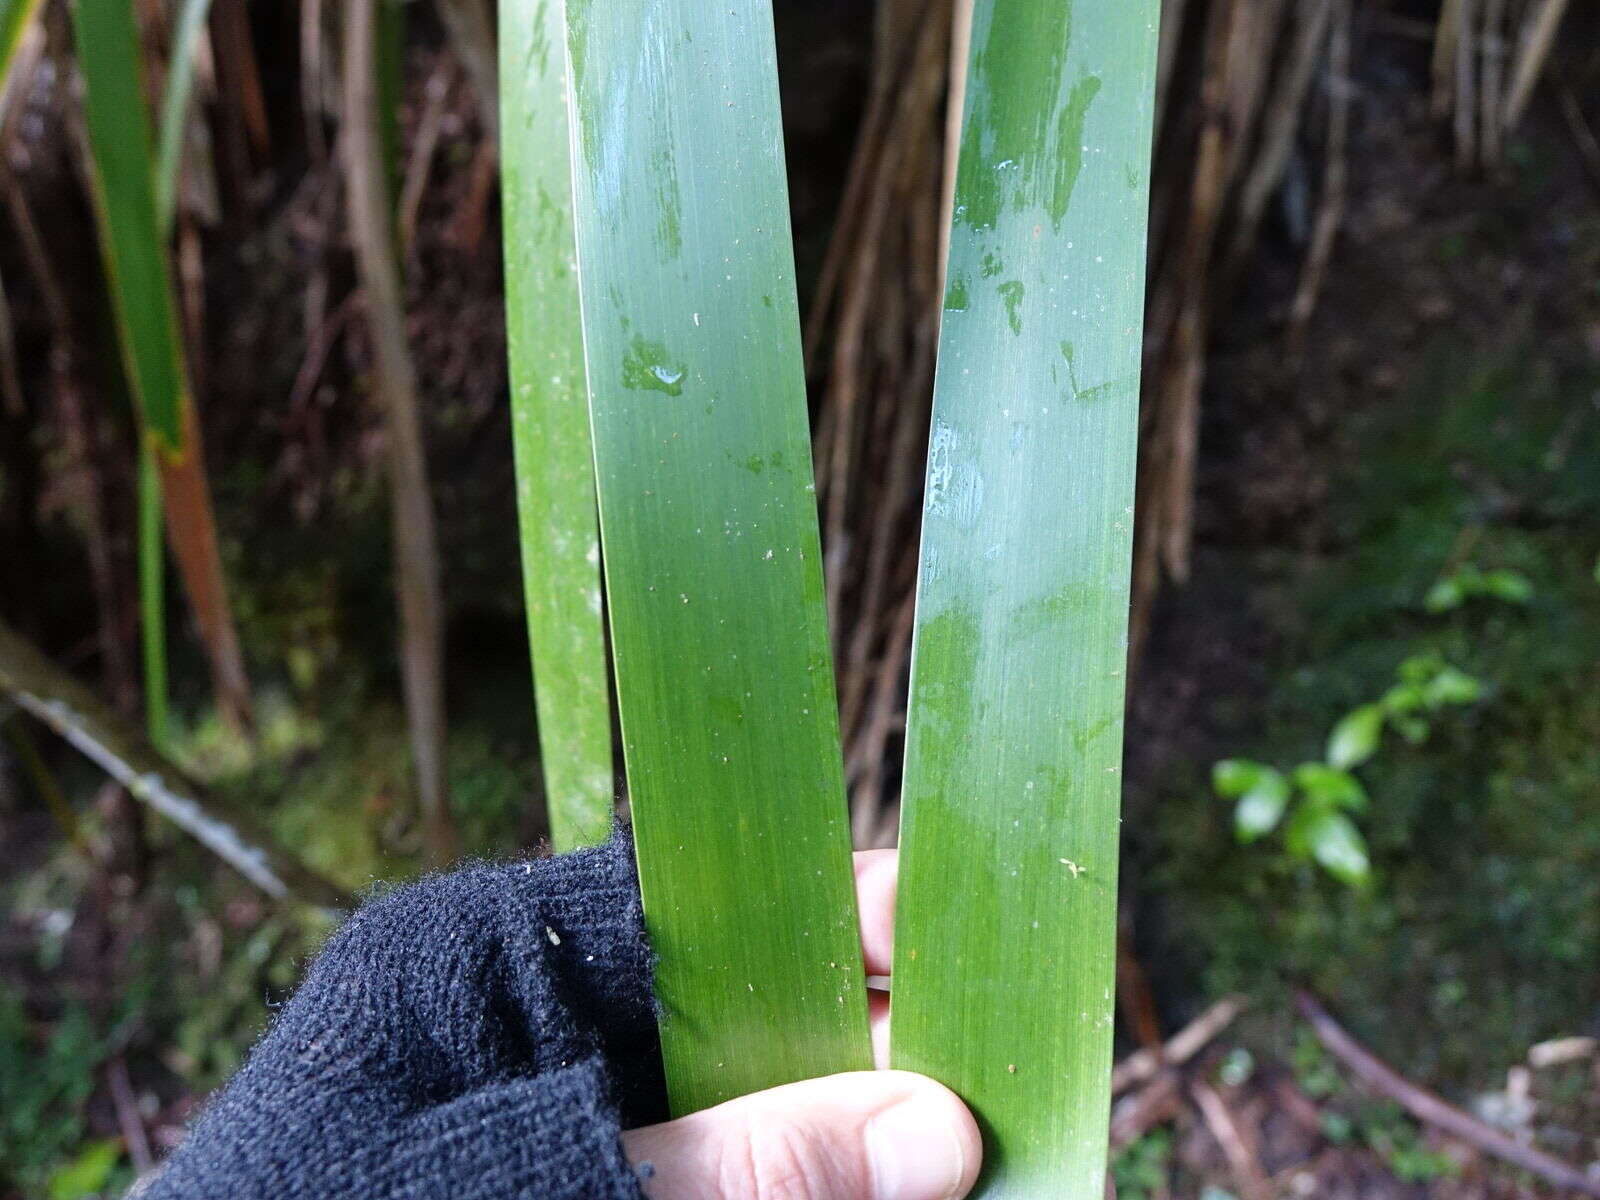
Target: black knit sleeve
x,y
486,1033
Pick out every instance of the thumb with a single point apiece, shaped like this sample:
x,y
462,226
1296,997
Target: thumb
x,y
866,1135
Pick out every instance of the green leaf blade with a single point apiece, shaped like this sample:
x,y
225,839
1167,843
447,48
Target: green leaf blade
x,y
131,234
1005,935
709,532
556,513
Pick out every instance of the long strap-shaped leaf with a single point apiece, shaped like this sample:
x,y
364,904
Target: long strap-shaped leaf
x,y
550,425
713,575
131,227
1004,949
138,273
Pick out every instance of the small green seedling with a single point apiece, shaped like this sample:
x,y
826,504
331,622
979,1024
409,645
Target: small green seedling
x,y
1323,795
1319,797
1468,582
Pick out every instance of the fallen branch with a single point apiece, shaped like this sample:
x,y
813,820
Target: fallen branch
x,y
1432,1110
1180,1048
73,711
1135,1115
1242,1157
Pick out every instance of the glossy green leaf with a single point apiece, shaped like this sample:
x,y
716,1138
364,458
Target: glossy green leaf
x,y
1005,939
1356,737
1510,586
1260,809
1327,785
1404,698
1444,595
87,1172
1324,834
550,426
1233,777
1262,793
1451,685
713,573
131,233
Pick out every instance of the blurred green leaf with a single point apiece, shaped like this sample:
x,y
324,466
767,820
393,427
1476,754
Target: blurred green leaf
x,y
1419,668
1233,777
1355,738
1511,586
88,1173
1262,792
1452,686
1404,698
1330,787
1413,728
1259,811
1319,831
1444,596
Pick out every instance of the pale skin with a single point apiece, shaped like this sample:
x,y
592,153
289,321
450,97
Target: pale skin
x,y
866,1135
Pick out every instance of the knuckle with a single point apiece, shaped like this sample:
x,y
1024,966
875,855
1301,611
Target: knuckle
x,y
776,1160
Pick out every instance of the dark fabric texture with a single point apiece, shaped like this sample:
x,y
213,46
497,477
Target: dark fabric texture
x,y
486,1033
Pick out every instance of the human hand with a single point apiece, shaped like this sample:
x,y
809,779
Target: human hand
x,y
864,1135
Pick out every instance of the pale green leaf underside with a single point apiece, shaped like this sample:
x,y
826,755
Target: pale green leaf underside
x,y
1004,950
550,426
175,107
724,680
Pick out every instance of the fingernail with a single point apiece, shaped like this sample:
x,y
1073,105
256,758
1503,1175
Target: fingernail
x,y
916,1150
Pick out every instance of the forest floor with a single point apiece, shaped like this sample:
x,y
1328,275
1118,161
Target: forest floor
x,y
1444,409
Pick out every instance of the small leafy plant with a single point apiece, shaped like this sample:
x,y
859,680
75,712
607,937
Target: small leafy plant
x,y
1318,798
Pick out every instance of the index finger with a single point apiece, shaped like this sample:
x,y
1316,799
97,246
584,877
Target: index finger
x,y
877,880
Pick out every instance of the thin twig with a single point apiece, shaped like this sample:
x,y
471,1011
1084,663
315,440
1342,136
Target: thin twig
x,y
77,715
1243,1160
1283,116
471,31
1432,1110
1582,136
1180,1048
1493,51
128,1118
1135,1115
1533,47
423,147
1330,213
1466,85
410,505
955,105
